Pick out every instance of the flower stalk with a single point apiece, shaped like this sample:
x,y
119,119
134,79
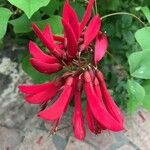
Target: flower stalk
x,y
123,13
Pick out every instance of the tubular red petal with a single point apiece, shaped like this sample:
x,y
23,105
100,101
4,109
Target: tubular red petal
x,y
89,118
97,89
56,110
36,52
73,19
78,124
65,13
47,42
61,46
47,33
71,39
109,102
97,108
92,74
87,15
92,30
100,47
42,97
58,38
73,90
45,67
50,45
35,88
94,126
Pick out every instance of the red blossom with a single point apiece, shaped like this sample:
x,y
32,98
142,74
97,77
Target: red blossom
x,y
37,53
71,39
94,126
78,122
109,102
46,68
91,31
87,15
97,107
68,51
100,47
52,112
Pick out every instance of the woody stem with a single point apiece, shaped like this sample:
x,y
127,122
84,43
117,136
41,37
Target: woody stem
x,y
124,13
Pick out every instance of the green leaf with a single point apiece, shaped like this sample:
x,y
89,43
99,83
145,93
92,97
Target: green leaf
x,y
4,17
143,72
132,105
146,101
142,36
146,12
54,21
23,24
51,7
140,64
136,94
135,90
29,6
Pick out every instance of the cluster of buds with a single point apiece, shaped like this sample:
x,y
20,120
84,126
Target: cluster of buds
x,y
79,50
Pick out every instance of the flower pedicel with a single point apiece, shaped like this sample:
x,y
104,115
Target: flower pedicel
x,y
68,51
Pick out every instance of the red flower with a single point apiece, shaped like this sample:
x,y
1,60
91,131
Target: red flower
x,y
68,51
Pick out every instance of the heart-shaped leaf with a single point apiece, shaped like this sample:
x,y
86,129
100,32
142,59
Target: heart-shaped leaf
x,y
146,12
23,24
29,6
143,71
4,17
142,36
139,64
135,90
136,94
54,21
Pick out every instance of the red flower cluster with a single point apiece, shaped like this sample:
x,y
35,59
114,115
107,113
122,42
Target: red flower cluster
x,y
70,51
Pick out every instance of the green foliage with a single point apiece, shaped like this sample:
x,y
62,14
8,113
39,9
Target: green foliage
x,y
139,64
4,17
146,100
29,6
54,21
136,94
142,36
146,12
51,7
23,24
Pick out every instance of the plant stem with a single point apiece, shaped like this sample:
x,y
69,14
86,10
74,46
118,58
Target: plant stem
x,y
96,10
123,13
